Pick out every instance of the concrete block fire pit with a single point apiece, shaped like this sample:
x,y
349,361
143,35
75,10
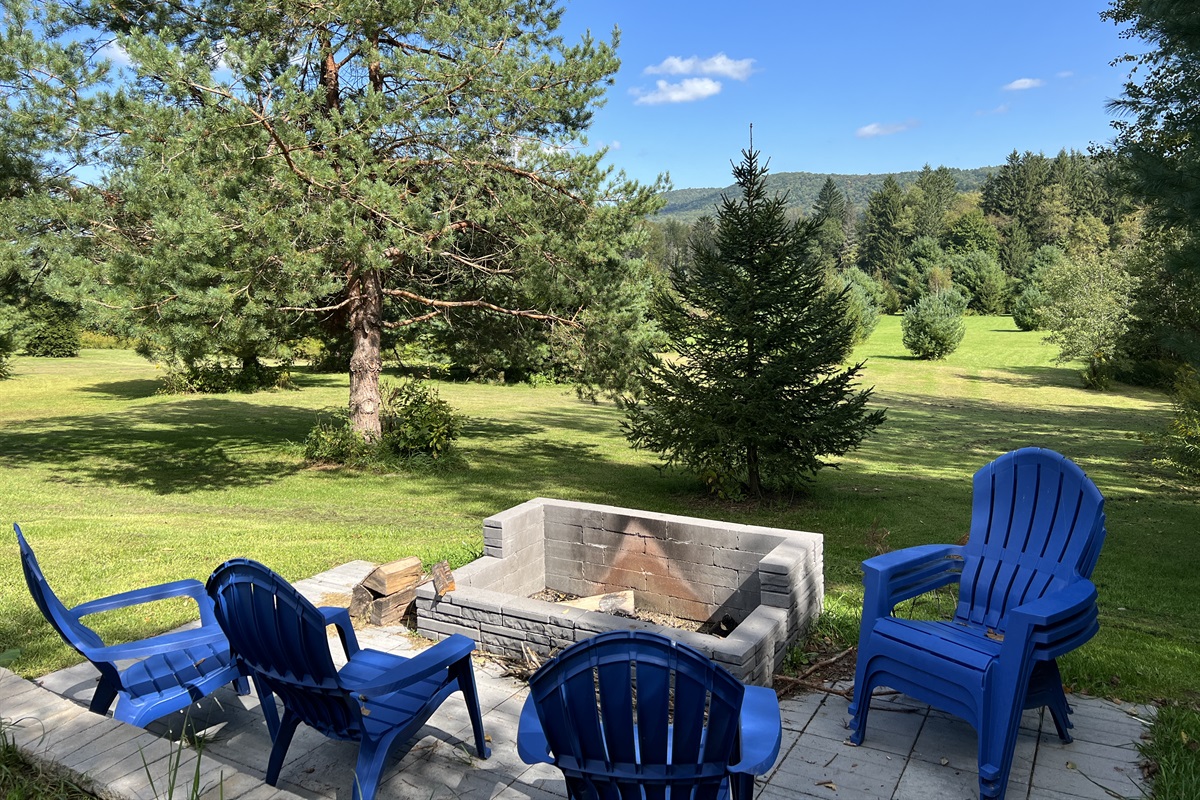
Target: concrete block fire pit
x,y
767,581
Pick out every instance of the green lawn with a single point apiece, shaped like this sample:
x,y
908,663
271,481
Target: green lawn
x,y
117,487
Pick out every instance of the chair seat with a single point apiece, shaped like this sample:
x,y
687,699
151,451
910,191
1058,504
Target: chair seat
x,y
168,679
404,703
967,646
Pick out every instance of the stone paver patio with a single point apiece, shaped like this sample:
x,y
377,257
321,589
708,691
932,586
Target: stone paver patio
x,y
912,752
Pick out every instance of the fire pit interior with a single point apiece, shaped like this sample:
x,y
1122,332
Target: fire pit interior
x,y
765,582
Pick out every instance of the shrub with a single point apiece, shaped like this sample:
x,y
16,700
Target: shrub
x,y
1181,442
52,333
332,441
419,429
416,420
864,295
1030,310
933,327
6,350
214,377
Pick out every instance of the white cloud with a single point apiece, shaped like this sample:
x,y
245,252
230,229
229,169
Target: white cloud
x,y
615,144
882,129
116,54
720,64
1023,83
685,91
1000,109
1066,73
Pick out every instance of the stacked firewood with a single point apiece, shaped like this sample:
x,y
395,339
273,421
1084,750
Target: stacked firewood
x,y
387,594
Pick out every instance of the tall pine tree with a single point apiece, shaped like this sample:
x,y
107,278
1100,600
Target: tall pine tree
x,y
757,398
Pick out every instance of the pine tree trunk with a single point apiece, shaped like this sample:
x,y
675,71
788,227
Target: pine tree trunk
x,y
366,328
753,481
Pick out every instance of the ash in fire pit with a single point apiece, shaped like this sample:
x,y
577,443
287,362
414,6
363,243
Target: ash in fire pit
x,y
765,584
623,604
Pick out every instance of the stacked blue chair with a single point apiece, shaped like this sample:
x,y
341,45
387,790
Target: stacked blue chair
x,y
377,699
1024,599
633,714
172,671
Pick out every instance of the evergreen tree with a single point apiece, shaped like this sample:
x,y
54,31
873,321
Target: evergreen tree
x,y
757,399
882,242
935,191
829,214
1016,251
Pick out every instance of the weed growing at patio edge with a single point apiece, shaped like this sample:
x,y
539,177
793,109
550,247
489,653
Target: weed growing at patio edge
x,y
1174,753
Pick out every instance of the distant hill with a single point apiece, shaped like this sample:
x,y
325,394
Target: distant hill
x,y
686,205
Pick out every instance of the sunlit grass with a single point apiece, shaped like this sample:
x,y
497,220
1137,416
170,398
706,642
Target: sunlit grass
x,y
117,487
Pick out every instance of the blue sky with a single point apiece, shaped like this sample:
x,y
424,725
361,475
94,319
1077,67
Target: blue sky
x,y
857,86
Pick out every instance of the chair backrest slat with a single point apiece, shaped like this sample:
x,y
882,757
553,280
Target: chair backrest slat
x,y
631,714
73,632
281,635
1036,521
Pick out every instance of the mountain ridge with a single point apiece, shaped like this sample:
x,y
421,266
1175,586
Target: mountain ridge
x,y
802,188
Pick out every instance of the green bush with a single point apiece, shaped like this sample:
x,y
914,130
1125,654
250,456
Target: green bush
x,y
933,327
419,430
1030,308
52,333
214,377
1181,443
864,295
416,420
6,350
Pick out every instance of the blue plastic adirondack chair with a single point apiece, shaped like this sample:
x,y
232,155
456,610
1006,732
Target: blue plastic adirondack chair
x,y
377,699
633,714
1025,598
175,669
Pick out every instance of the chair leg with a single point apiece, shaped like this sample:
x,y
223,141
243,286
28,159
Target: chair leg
x,y
283,738
466,683
102,700
241,685
372,753
861,704
1046,689
741,786
266,699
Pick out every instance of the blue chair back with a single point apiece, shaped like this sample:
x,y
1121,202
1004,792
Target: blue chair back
x,y
1036,522
635,714
274,630
73,632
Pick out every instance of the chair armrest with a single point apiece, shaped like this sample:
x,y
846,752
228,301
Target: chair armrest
x,y
441,656
166,643
164,591
892,578
340,617
532,746
761,731
1056,622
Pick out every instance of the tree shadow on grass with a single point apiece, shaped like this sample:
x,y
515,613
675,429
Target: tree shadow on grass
x,y
125,390
188,446
1031,377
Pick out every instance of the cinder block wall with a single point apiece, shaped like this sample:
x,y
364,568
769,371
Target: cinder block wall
x,y
769,580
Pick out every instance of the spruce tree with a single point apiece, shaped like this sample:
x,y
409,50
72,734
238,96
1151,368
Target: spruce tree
x,y
757,398
829,212
883,240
